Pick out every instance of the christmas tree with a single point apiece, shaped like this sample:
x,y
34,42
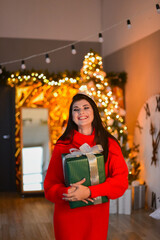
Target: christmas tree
x,y
95,83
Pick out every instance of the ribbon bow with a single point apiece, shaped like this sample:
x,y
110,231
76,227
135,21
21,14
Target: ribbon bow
x,y
85,149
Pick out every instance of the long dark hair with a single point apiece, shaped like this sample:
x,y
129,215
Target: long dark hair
x,y
101,134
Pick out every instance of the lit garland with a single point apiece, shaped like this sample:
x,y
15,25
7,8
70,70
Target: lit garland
x,y
34,77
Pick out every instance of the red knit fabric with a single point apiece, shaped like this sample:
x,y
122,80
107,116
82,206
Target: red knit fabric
x,y
90,222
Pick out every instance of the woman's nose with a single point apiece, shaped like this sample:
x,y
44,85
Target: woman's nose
x,y
81,110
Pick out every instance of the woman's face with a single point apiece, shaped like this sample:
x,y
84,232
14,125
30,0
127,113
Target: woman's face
x,y
82,114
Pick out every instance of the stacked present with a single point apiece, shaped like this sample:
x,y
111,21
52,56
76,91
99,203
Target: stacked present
x,y
122,205
138,198
87,163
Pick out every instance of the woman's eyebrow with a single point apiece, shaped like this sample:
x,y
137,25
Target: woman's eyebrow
x,y
75,107
82,106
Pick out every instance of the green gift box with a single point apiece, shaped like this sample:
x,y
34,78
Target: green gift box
x,y
77,168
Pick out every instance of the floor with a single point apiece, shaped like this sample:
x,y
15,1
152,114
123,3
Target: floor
x,y
31,219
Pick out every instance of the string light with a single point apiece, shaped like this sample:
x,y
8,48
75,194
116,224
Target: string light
x,y
48,60
100,38
73,50
23,65
81,40
1,69
129,24
158,8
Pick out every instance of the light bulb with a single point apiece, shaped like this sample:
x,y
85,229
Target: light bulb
x,y
48,60
158,8
73,50
129,24
1,69
100,38
23,65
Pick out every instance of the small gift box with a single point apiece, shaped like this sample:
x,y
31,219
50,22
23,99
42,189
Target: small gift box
x,y
85,163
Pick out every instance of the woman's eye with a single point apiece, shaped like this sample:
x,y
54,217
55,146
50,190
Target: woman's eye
x,y
86,108
75,109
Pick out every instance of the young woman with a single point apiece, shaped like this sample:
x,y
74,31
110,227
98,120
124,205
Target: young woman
x,y
89,222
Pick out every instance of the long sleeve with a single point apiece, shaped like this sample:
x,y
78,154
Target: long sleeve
x,y
117,175
54,181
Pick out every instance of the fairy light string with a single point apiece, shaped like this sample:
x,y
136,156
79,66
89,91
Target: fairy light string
x,y
72,45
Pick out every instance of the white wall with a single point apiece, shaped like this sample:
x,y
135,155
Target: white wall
x,y
50,19
79,19
144,18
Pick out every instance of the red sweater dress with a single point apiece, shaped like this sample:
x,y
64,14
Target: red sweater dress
x,y
89,222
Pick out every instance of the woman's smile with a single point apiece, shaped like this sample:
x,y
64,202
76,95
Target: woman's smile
x,y
82,117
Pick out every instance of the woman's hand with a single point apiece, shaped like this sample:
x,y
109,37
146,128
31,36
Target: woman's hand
x,y
78,192
71,189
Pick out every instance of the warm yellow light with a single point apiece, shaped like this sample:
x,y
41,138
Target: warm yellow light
x,y
109,93
121,119
61,80
55,94
98,85
83,88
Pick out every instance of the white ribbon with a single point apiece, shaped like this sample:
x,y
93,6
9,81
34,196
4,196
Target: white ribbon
x,y
85,149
